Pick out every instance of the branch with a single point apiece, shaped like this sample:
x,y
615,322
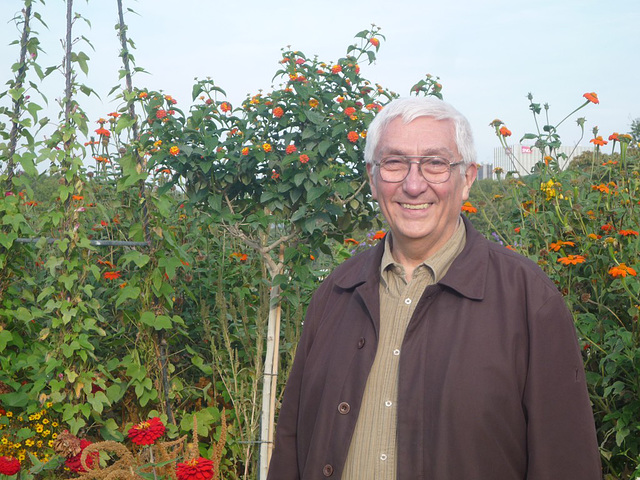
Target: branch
x,y
343,202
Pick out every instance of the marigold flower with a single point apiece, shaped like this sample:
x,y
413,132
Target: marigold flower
x,y
598,141
592,97
146,433
467,207
174,150
352,136
571,259
196,469
555,246
349,111
378,235
112,275
622,271
245,151
290,149
9,465
352,241
375,42
225,107
304,158
627,233
505,132
266,147
336,69
278,112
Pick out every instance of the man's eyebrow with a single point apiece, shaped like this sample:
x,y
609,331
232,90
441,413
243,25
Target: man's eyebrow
x,y
444,152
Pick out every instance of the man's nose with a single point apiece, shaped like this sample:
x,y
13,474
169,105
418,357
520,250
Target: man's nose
x,y
414,183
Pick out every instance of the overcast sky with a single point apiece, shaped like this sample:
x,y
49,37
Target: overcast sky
x,y
488,54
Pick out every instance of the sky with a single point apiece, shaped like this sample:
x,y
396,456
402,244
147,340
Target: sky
x,y
488,55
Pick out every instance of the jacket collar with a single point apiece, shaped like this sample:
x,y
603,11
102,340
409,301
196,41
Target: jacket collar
x,y
467,275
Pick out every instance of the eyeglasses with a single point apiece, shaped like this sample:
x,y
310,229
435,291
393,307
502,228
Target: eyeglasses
x,y
434,169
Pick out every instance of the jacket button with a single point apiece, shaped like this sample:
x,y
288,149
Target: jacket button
x,y
327,471
344,408
361,342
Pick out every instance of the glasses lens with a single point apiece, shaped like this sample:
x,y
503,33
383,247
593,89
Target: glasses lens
x,y
433,169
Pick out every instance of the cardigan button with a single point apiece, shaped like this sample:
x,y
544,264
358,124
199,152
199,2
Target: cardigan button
x,y
344,408
327,471
361,342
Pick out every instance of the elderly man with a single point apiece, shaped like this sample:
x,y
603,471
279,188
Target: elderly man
x,y
437,354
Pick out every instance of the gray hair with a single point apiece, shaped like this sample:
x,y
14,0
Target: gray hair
x,y
414,107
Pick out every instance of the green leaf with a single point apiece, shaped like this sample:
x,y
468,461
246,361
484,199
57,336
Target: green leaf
x,y
5,337
315,193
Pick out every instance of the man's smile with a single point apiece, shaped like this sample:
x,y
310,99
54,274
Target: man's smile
x,y
420,206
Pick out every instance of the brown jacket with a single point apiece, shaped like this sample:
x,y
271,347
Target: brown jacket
x,y
491,382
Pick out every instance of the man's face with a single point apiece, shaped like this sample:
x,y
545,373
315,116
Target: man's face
x,y
422,215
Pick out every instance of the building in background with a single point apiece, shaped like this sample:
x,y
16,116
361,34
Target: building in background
x,y
485,170
522,158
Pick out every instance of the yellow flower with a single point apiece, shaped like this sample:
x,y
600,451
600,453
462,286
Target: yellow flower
x,y
45,420
46,433
54,424
39,428
54,436
9,414
49,404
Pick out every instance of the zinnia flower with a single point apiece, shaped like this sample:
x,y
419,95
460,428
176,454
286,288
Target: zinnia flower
x,y
112,275
278,112
74,463
196,469
266,147
592,97
352,136
467,207
571,259
505,132
622,271
290,149
146,433
9,465
174,150
304,158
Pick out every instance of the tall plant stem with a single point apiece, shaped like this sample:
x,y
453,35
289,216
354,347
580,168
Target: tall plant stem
x,y
17,103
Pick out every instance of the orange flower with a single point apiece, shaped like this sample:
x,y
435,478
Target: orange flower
x,y
592,97
517,229
352,241
340,99
627,233
225,107
593,236
336,69
378,235
602,188
112,275
274,175
352,136
375,42
186,264
598,141
313,103
245,151
143,95
278,112
467,207
571,259
77,197
174,150
607,227
555,246
240,256
122,285
114,114
304,158
290,149
146,433
103,132
349,111
614,137
266,147
622,271
107,263
505,132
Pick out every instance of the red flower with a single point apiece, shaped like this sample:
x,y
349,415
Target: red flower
x,y
598,141
349,111
161,113
375,42
304,158
378,235
627,233
278,112
517,229
103,131
607,227
112,275
592,97
352,136
196,469
245,151
290,149
614,137
336,69
74,462
146,433
225,107
9,465
505,132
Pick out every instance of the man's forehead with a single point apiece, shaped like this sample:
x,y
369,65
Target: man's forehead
x,y
422,135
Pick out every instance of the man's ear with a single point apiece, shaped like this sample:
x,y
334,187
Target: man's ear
x,y
372,182
469,177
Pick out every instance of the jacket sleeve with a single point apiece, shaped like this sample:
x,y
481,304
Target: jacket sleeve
x,y
285,460
561,437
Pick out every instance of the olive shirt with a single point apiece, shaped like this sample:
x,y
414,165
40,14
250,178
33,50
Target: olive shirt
x,y
372,454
